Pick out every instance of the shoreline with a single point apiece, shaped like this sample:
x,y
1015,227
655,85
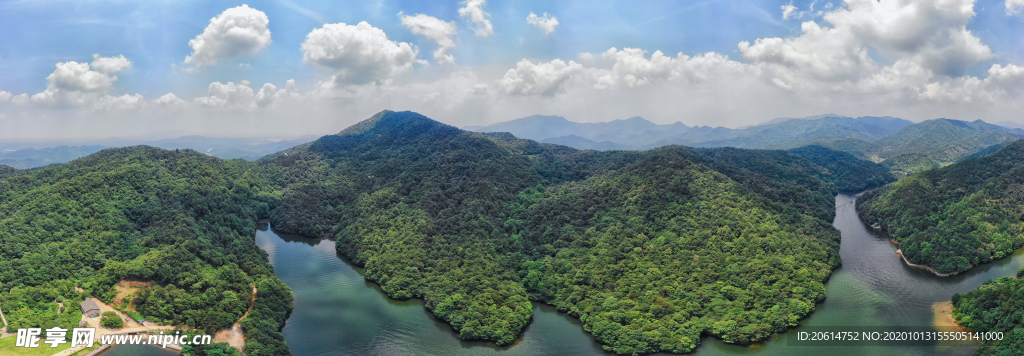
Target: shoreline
x,y
907,262
925,267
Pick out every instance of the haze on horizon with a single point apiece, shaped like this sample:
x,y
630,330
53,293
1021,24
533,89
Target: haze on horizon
x,y
88,70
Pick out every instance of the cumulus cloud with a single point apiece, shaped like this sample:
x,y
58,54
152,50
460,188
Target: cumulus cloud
x,y
5,96
788,10
81,84
436,30
530,78
360,53
230,95
110,65
1014,7
170,100
237,32
474,11
930,33
546,23
270,94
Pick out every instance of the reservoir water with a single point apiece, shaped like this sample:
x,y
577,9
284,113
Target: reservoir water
x,y
337,312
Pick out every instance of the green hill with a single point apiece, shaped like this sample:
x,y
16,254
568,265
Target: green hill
x,y
650,249
995,306
479,224
963,215
183,221
931,144
850,173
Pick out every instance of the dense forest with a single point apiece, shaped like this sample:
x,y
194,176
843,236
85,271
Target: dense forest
x,y
930,144
955,217
650,249
995,306
851,175
181,220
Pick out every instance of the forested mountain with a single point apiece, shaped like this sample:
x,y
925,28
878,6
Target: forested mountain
x,y
637,133
184,221
790,133
227,148
939,142
630,133
952,218
902,146
649,249
29,157
850,174
585,144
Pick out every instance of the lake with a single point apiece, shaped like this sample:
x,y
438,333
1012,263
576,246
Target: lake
x,y
337,312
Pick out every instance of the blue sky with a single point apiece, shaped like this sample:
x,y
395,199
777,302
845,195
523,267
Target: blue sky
x,y
919,77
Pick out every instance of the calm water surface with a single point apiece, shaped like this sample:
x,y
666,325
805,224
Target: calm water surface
x,y
337,312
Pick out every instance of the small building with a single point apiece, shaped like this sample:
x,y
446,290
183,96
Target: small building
x,y
90,308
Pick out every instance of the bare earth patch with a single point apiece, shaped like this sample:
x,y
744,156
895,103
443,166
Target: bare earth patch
x,y
126,288
234,335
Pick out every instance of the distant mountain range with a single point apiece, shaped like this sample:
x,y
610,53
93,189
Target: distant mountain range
x,y
904,146
227,148
638,133
31,157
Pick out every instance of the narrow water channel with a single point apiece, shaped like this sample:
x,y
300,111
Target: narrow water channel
x,y
337,312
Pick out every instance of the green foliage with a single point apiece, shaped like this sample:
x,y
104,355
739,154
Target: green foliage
x,y
184,221
849,173
35,307
216,349
655,255
111,320
995,306
650,249
931,144
956,217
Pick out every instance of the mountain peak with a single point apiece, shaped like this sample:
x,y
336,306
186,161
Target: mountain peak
x,y
391,121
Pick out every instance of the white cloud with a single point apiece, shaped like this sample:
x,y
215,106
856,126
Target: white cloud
x,y
245,65
436,30
230,95
1014,7
631,67
20,99
74,76
237,32
170,100
547,23
788,10
270,94
360,53
474,10
123,102
110,65
5,96
76,84
538,79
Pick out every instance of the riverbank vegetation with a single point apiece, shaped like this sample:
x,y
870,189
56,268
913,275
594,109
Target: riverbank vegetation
x,y
955,217
995,306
